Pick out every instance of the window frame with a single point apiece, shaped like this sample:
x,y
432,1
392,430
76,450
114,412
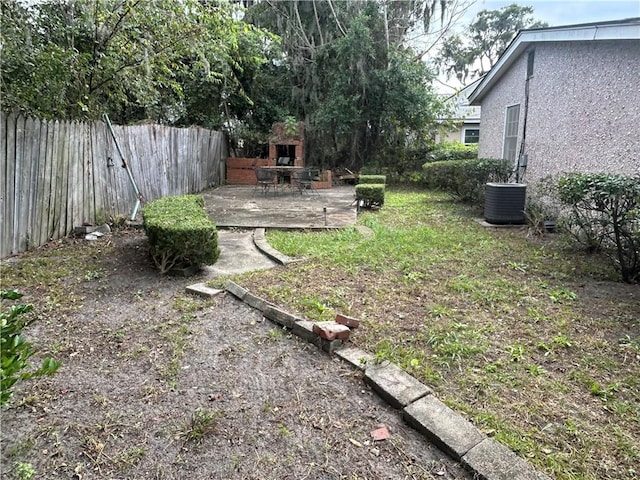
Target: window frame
x,y
464,135
507,140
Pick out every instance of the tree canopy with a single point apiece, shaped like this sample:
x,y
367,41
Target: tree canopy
x,y
473,54
350,74
350,69
165,61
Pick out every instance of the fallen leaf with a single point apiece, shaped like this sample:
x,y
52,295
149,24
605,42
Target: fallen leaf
x,y
355,442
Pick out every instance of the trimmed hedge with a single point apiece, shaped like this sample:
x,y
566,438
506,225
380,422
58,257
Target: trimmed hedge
x,y
446,151
180,232
466,179
368,179
370,194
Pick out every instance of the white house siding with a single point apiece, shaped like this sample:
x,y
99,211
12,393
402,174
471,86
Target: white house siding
x,y
584,106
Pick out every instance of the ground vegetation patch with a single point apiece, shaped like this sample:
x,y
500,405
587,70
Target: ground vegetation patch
x,y
158,384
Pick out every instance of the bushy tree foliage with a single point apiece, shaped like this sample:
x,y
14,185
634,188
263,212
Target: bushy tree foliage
x,y
604,215
349,74
345,68
171,62
473,54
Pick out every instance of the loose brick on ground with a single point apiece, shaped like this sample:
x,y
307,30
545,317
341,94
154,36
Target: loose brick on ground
x,y
304,329
348,321
202,290
331,330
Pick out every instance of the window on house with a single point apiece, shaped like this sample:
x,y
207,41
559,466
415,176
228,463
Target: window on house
x,y
511,132
471,135
530,60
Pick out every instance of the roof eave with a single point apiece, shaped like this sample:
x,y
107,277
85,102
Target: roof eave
x,y
620,30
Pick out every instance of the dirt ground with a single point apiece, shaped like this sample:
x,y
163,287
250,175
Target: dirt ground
x,y
156,384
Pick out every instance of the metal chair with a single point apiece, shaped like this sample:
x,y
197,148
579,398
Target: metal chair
x,y
266,179
304,180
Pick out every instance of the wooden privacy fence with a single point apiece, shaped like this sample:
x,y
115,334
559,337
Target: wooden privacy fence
x,y
55,175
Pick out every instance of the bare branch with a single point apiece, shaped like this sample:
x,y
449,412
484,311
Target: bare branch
x,y
336,17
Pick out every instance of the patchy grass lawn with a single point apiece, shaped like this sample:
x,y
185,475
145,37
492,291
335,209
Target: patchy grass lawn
x,y
535,343
158,384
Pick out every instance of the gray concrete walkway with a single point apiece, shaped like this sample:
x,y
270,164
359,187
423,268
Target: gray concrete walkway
x,y
238,254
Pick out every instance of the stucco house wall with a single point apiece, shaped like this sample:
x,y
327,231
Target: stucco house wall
x,y
584,103
584,108
509,92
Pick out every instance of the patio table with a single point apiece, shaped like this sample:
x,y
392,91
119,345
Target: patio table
x,y
283,172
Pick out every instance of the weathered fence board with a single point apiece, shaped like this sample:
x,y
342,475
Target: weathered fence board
x,y
55,175
3,178
60,207
100,167
53,179
20,161
38,188
36,128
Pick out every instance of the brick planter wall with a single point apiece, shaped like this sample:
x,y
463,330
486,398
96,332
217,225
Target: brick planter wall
x,y
240,171
325,182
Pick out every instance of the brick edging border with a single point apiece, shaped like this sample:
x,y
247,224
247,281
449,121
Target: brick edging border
x,y
486,458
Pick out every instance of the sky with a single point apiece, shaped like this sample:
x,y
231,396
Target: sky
x,y
558,12
555,13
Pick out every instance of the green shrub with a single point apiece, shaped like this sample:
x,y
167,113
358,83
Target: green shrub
x,y
380,179
370,194
15,350
465,179
604,215
452,151
400,161
180,232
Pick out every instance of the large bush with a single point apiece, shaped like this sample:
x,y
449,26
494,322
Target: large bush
x,y
604,215
465,179
403,163
180,232
15,351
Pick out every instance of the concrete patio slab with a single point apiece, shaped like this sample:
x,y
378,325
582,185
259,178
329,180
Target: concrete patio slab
x,y
241,206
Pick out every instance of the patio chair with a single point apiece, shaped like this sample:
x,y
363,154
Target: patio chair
x,y
266,179
304,180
